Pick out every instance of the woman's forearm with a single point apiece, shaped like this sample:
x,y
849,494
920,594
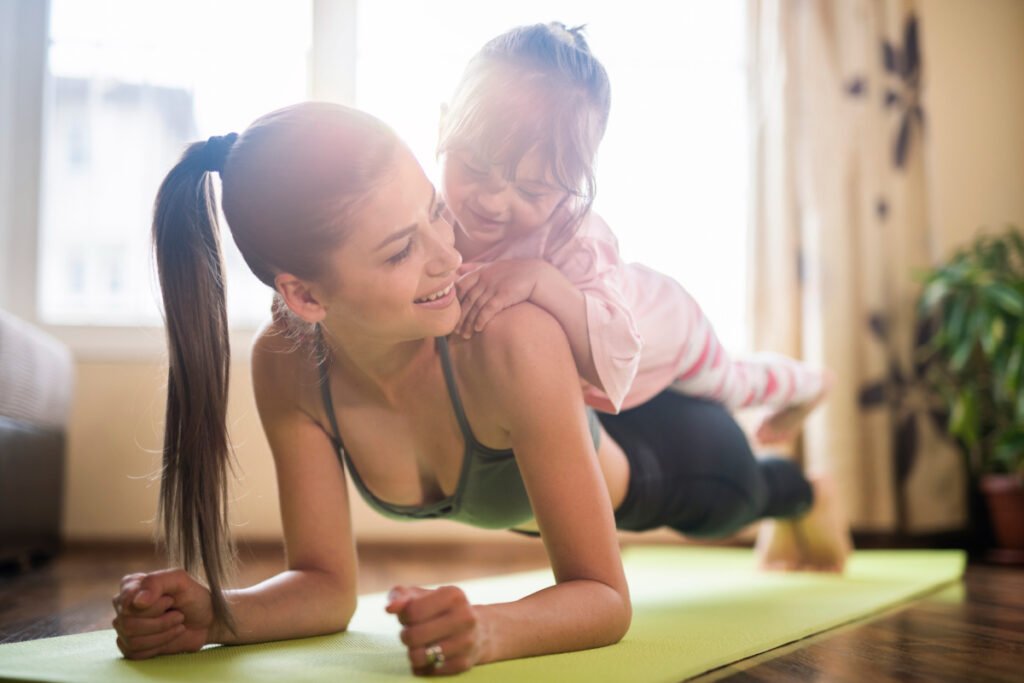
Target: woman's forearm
x,y
574,615
292,604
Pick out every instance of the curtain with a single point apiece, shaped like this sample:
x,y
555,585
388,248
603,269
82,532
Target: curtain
x,y
839,227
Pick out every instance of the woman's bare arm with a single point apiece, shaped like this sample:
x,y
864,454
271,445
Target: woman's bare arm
x,y
524,352
168,611
317,592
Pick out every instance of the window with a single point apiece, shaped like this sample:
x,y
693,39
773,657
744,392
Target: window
x,y
130,84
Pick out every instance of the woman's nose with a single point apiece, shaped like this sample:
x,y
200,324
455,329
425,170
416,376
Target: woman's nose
x,y
446,258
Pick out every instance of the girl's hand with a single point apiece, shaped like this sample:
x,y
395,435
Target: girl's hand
x,y
441,621
487,289
161,613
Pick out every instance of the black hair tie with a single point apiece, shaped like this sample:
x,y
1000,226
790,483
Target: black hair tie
x,y
215,151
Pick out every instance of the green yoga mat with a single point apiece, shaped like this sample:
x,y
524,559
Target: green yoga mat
x,y
694,609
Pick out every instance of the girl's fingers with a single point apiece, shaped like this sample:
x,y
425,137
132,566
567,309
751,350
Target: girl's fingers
x,y
466,283
486,312
470,323
466,301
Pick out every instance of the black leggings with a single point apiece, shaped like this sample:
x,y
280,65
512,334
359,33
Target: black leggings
x,y
691,469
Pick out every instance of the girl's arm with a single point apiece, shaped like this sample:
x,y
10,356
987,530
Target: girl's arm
x,y
491,288
525,353
583,285
168,611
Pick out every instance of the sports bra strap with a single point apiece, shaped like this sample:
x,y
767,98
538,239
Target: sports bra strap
x,y
323,367
325,385
453,393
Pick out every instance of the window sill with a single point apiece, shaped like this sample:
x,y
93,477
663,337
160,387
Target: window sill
x,y
133,344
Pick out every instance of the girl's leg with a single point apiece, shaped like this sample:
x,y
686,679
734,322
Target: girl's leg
x,y
692,469
765,379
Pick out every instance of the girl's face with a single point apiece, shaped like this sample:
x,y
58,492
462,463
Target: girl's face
x,y
490,207
397,265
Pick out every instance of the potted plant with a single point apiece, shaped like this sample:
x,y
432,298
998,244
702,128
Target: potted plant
x,y
974,306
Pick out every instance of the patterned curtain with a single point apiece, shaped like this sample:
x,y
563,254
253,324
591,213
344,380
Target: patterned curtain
x,y
840,226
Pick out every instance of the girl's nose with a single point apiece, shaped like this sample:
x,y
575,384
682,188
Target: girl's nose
x,y
492,199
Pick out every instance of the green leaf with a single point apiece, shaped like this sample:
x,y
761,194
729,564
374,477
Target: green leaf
x,y
1007,298
1012,371
956,322
1008,451
962,354
986,323
963,421
1014,237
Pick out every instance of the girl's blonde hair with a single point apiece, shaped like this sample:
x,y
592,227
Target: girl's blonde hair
x,y
534,86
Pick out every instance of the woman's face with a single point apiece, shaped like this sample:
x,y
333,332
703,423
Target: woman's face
x,y
396,268
490,207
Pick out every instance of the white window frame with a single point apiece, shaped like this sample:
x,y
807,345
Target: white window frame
x,y
24,43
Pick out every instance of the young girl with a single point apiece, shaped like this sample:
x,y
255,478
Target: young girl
x,y
518,144
356,376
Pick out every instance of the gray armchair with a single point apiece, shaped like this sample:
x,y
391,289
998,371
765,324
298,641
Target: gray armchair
x,y
36,382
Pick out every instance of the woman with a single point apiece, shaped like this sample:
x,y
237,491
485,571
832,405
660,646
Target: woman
x,y
332,211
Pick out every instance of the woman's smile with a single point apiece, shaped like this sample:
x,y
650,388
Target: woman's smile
x,y
440,299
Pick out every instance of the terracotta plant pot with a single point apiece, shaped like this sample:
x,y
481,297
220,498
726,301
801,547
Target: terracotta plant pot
x,y
1004,495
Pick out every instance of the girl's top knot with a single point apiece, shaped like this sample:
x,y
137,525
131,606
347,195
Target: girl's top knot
x,y
570,36
215,151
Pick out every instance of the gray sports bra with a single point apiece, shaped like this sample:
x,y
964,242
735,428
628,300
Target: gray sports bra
x,y
490,492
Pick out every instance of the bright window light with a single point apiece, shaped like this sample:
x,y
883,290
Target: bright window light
x,y
130,84
673,169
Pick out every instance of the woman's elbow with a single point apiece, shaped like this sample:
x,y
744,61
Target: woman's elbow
x,y
623,619
619,619
344,614
337,614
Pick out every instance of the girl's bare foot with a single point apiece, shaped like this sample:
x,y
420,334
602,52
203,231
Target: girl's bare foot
x,y
823,534
785,423
818,541
776,547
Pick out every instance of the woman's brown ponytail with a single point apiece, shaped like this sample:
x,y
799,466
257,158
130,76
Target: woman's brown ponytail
x,y
196,455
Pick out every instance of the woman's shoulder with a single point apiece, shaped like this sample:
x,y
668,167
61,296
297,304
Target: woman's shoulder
x,y
282,361
519,340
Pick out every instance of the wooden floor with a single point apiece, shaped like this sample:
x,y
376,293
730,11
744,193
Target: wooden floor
x,y
972,631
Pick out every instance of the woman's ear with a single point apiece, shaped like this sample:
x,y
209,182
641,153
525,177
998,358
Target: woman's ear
x,y
300,298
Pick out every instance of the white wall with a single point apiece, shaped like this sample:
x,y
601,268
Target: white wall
x,y
974,104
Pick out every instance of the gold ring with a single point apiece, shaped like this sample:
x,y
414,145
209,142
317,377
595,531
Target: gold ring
x,y
435,656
